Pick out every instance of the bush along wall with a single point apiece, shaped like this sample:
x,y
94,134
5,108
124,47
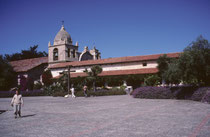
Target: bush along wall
x,y
179,92
56,90
105,92
4,94
101,92
150,92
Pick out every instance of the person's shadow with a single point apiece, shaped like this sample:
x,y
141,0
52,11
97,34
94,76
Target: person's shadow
x,y
24,116
2,111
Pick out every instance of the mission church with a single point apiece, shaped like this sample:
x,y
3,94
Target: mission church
x,y
63,53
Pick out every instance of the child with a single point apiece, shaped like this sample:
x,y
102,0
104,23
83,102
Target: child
x,y
16,103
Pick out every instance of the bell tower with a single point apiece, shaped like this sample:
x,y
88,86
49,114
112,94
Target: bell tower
x,y
62,49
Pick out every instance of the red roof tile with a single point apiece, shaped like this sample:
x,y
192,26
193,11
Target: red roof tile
x,y
27,64
119,72
114,60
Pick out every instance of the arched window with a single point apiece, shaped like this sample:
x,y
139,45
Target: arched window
x,y
86,56
55,54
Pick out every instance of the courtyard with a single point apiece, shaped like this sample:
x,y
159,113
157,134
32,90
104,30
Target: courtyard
x,y
108,116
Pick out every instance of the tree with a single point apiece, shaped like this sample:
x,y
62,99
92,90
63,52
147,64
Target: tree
x,y
135,80
168,70
26,54
163,62
78,82
114,80
7,74
93,74
172,75
63,80
194,62
47,78
152,80
101,81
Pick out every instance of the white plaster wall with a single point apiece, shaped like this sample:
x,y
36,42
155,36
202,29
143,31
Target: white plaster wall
x,y
119,66
132,65
56,72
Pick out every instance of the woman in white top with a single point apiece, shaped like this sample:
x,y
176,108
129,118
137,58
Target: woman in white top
x,y
72,92
16,103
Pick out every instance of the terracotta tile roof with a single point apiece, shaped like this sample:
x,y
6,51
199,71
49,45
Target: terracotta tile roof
x,y
27,64
118,72
114,60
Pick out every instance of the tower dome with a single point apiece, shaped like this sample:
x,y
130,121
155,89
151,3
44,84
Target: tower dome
x,y
62,37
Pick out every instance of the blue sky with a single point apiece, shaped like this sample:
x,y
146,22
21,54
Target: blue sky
x,y
117,27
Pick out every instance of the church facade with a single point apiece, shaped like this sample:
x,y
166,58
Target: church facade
x,y
62,53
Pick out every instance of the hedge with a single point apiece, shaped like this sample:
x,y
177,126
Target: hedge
x,y
102,92
178,92
24,93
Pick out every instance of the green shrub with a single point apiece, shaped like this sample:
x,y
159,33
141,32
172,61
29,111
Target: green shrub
x,y
79,93
102,92
152,80
56,87
134,80
38,85
23,93
122,87
114,80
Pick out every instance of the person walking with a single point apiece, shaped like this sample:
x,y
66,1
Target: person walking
x,y
16,103
72,92
85,90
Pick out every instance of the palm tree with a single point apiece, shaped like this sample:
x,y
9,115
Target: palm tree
x,y
93,74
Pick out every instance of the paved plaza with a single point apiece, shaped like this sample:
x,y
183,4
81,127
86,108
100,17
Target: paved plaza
x,y
108,116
